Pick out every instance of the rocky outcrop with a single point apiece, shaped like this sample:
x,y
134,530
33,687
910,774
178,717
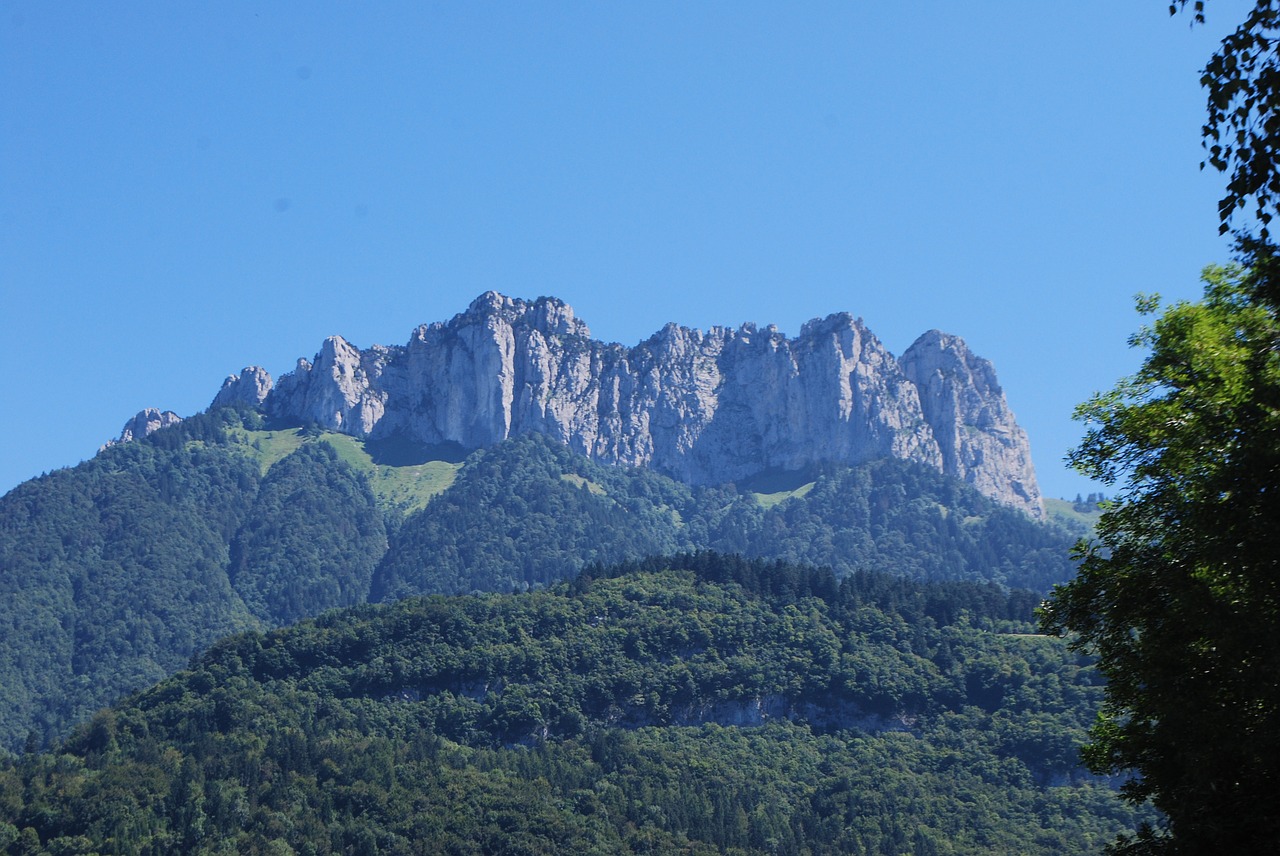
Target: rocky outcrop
x,y
963,403
339,391
146,421
702,406
250,387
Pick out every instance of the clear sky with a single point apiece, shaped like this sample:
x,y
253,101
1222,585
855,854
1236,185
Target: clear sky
x,y
189,188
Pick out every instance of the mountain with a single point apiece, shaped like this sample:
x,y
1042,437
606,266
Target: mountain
x,y
703,407
355,480
117,571
700,705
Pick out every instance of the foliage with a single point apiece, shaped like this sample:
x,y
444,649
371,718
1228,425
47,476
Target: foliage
x,y
895,516
118,570
311,541
706,705
1087,505
1243,125
512,520
529,512
1181,598
113,574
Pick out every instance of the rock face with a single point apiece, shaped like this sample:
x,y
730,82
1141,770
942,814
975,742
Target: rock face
x,y
702,406
251,388
145,422
965,406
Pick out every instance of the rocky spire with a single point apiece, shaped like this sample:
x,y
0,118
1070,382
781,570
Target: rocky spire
x,y
250,387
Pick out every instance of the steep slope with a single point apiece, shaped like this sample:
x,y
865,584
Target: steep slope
x,y
704,407
713,705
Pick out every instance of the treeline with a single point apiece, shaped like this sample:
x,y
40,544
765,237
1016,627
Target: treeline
x,y
702,705
786,582
1090,504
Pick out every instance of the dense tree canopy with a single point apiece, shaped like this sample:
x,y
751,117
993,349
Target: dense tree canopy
x,y
529,512
311,540
116,571
703,705
112,574
1181,597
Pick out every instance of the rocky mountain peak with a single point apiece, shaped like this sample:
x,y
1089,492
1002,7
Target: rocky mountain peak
x,y
549,316
250,387
963,403
702,406
831,323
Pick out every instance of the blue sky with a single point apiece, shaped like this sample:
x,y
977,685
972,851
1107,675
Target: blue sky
x,y
186,189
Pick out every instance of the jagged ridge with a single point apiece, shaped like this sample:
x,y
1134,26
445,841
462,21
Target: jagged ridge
x,y
701,406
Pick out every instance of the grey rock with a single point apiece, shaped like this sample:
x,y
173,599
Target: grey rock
x,y
146,421
250,387
702,406
338,391
981,442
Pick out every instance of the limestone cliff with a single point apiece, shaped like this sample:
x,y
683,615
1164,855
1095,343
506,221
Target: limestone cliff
x,y
702,406
965,407
145,422
250,387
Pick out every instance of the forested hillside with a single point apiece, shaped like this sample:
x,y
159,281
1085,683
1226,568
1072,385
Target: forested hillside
x,y
311,541
701,705
528,512
115,572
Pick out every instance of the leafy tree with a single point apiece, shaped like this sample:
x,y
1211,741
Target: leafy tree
x,y
1243,125
1181,598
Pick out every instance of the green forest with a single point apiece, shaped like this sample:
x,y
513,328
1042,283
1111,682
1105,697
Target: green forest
x,y
241,636
702,704
121,569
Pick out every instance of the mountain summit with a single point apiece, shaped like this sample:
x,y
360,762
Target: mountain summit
x,y
702,406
